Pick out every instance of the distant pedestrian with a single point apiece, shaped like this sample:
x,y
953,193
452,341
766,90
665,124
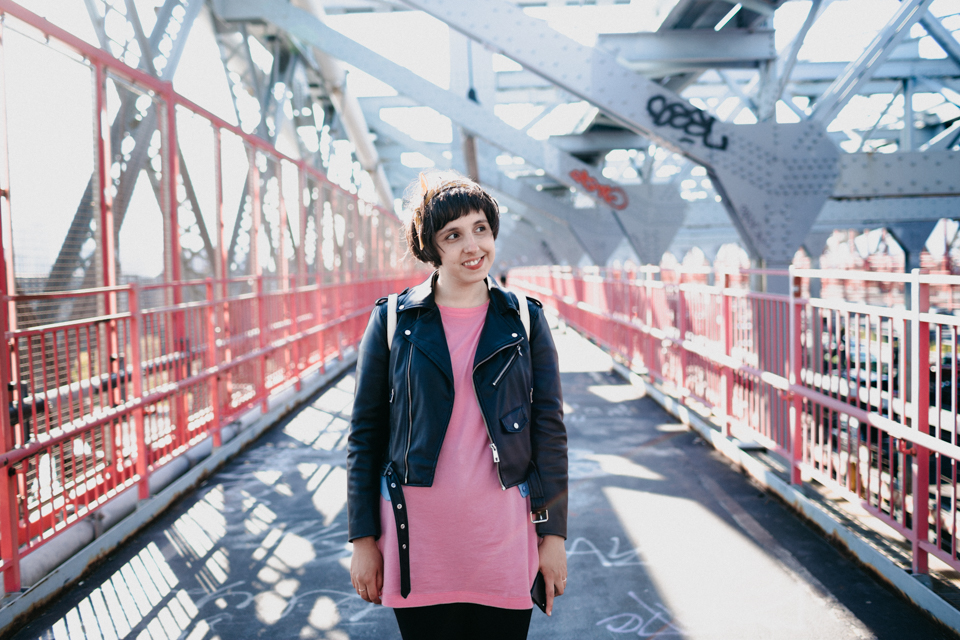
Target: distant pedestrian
x,y
457,458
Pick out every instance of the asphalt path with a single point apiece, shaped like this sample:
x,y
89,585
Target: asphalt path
x,y
666,540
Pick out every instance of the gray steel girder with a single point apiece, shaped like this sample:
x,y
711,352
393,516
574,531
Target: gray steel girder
x,y
662,216
912,236
596,142
707,227
807,72
703,48
774,178
928,173
861,70
943,36
882,212
556,164
875,175
816,243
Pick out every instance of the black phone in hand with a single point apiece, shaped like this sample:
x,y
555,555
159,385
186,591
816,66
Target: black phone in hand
x,y
538,593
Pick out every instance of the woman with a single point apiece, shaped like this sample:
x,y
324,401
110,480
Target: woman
x,y
457,458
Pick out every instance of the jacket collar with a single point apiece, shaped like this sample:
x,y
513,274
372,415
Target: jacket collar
x,y
421,296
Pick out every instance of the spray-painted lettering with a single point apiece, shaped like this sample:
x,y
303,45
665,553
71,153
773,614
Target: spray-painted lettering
x,y
690,120
613,196
655,621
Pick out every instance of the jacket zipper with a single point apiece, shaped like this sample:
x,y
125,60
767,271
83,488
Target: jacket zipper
x,y
406,454
493,444
509,364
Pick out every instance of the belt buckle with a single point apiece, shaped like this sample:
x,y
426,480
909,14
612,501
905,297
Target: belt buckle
x,y
536,517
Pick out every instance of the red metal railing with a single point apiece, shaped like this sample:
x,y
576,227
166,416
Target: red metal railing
x,y
91,422
105,385
861,398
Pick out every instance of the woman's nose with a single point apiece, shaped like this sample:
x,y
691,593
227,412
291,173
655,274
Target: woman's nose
x,y
471,243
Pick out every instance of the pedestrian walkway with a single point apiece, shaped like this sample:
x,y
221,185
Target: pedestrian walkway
x,y
666,540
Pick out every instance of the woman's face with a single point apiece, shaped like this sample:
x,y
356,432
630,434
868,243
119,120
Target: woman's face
x,y
466,247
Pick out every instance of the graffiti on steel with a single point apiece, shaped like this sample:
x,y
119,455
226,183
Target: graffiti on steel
x,y
616,558
654,621
690,120
613,196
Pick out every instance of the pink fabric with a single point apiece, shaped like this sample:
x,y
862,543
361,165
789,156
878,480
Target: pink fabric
x,y
470,541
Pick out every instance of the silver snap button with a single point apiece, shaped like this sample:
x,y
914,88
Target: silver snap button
x,y
400,307
516,426
404,546
399,506
393,485
403,526
514,335
407,332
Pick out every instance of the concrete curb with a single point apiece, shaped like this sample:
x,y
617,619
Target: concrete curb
x,y
910,587
169,489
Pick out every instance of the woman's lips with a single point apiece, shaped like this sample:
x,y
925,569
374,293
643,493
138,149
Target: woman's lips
x,y
475,266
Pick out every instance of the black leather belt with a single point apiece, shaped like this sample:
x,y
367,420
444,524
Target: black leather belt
x,y
538,507
403,526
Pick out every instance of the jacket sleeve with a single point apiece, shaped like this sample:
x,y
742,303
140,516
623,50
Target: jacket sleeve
x,y
549,435
369,429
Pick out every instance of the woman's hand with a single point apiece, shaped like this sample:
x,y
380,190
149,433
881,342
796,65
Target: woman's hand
x,y
553,566
366,569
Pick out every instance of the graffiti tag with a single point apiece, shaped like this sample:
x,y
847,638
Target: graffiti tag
x,y
616,558
613,196
690,120
657,623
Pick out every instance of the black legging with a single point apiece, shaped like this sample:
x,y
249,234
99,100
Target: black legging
x,y
462,621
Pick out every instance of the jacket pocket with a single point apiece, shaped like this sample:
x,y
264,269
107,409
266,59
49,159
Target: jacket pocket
x,y
515,421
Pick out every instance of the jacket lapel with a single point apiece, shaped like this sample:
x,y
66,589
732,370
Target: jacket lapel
x,y
419,315
426,333
502,325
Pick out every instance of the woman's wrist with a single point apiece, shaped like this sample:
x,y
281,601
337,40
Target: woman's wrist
x,y
364,541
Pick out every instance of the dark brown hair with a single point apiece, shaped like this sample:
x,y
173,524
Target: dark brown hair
x,y
435,200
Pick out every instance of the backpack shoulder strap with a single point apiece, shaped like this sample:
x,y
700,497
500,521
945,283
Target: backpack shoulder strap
x,y
524,312
391,319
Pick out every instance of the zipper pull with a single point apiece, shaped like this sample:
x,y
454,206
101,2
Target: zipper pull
x,y
531,395
520,350
496,456
391,395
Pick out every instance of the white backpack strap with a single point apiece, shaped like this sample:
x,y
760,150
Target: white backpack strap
x,y
391,319
524,312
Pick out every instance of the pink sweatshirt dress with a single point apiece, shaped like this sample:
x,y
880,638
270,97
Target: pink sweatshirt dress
x,y
470,540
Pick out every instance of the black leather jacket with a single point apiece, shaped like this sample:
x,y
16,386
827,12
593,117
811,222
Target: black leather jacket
x,y
404,399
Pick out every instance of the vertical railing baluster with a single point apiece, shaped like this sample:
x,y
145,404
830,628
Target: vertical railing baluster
x,y
136,327
920,387
795,378
210,360
727,329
